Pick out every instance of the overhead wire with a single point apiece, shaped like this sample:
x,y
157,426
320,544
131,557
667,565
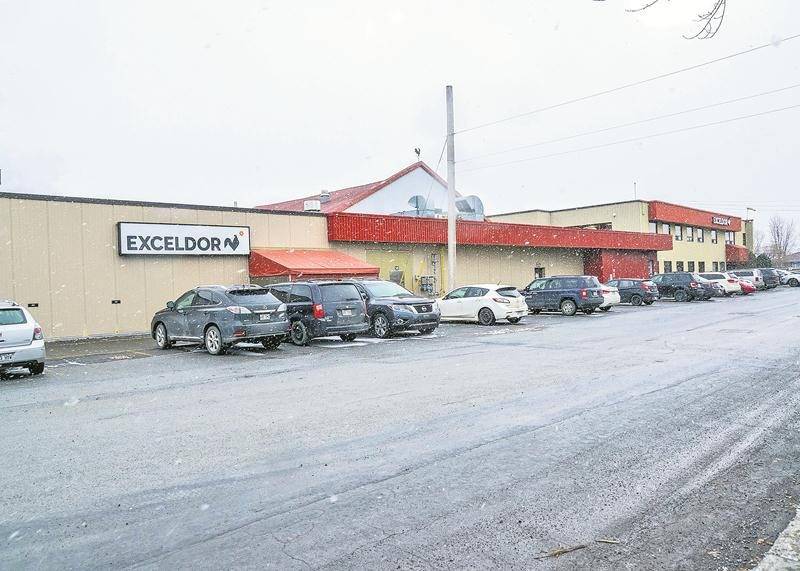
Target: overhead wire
x,y
626,86
634,139
629,124
436,170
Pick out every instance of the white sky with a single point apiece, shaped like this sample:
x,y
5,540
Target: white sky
x,y
258,101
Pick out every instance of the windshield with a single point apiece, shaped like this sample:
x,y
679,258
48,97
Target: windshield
x,y
386,289
339,292
508,292
253,297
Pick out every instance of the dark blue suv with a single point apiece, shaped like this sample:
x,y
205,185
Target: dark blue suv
x,y
392,308
566,294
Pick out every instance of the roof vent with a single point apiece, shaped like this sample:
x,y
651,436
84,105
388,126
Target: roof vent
x,y
324,196
312,206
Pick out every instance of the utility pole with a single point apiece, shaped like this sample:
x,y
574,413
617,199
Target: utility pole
x,y
451,191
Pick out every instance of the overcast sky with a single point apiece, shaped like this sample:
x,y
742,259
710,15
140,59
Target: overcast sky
x,y
259,101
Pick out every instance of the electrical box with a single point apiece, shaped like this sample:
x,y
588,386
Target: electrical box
x,y
427,285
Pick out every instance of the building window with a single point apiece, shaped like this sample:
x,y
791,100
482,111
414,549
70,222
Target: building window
x,y
701,235
729,237
678,266
678,232
667,267
689,234
722,266
690,266
744,239
715,266
713,236
652,227
665,229
538,273
701,267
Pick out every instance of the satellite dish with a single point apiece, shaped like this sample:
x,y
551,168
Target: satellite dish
x,y
417,202
471,206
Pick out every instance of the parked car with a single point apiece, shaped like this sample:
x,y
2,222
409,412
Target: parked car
x,y
730,284
322,308
484,303
682,286
611,297
21,339
789,278
567,294
219,317
747,287
753,276
393,308
713,287
771,278
636,291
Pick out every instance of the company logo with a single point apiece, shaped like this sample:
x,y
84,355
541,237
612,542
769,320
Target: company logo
x,y
182,239
721,220
232,243
159,243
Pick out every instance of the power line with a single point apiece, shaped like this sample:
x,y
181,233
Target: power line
x,y
633,139
625,86
436,170
630,124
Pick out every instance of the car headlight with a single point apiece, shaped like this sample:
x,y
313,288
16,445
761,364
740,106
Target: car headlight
x,y
401,307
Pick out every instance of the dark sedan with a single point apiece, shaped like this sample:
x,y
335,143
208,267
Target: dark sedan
x,y
636,291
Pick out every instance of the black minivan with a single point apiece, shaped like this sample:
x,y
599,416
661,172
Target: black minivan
x,y
322,308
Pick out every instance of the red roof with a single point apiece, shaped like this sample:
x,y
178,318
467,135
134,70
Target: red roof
x,y
343,199
345,227
307,263
677,214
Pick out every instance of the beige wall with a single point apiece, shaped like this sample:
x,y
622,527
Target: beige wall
x,y
685,251
536,217
625,216
63,256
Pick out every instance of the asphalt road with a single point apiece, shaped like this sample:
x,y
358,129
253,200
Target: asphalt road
x,y
670,432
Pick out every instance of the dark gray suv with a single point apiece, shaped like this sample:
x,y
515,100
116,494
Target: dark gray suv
x,y
221,316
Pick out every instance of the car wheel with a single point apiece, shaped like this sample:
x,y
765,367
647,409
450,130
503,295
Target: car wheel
x,y
568,307
380,326
794,283
299,334
486,316
162,337
605,308
36,369
636,299
589,310
536,311
348,337
648,303
681,296
213,341
514,320
426,330
272,342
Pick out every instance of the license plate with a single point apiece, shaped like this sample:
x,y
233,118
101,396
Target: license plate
x,y
347,313
264,317
6,356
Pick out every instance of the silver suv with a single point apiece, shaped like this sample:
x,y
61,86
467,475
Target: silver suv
x,y
21,339
219,317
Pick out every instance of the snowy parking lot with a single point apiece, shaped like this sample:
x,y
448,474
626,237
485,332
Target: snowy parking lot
x,y
609,435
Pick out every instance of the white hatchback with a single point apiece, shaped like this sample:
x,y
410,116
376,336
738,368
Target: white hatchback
x,y
484,303
611,297
21,339
729,284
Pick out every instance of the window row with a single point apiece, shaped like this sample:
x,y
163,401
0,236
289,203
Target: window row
x,y
690,233
699,267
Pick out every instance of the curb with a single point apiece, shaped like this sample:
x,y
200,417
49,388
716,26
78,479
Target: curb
x,y
784,555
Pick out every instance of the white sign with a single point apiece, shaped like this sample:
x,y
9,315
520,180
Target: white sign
x,y
146,239
722,221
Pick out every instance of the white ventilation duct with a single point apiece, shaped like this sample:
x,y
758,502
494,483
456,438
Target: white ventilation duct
x,y
312,206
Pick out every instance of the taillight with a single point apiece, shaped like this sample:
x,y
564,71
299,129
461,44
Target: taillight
x,y
584,293
37,334
501,300
694,284
238,309
319,311
644,286
731,281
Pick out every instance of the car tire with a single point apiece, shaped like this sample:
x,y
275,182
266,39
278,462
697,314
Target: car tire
x,y
272,343
535,311
486,316
589,310
36,369
162,337
794,283
681,296
568,307
605,308
636,299
514,320
380,326
426,330
648,303
348,337
299,334
213,341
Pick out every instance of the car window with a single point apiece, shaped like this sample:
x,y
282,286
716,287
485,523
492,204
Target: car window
x,y
615,283
254,296
623,284
508,292
587,282
340,292
185,300
203,298
386,289
554,284
537,284
300,294
657,279
281,292
476,292
741,273
457,293
13,316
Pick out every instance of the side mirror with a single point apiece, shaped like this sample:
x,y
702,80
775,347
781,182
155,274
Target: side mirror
x,y
170,305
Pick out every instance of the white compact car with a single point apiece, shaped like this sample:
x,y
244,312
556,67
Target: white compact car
x,y
789,278
611,297
730,284
484,303
21,339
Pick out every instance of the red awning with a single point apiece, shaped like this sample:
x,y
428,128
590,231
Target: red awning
x,y
308,263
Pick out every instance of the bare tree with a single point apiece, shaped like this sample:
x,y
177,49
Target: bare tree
x,y
709,22
782,238
758,242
